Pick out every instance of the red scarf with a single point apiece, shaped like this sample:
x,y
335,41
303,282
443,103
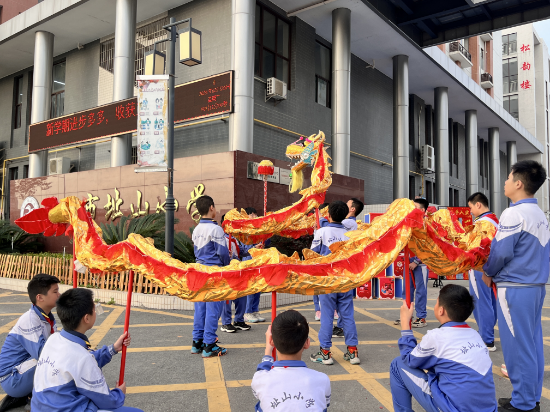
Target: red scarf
x,y
50,321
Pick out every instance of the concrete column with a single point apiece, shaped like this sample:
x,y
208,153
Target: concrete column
x,y
441,139
241,122
472,159
341,66
41,95
400,126
124,77
511,156
495,188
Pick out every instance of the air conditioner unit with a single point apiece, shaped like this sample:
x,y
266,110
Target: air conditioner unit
x,y
59,165
428,158
276,89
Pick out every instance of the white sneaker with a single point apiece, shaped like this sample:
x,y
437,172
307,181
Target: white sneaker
x,y
318,315
259,317
491,347
250,318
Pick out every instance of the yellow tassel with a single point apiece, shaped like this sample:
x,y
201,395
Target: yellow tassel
x,y
297,181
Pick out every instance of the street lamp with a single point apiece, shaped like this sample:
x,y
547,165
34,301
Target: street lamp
x,y
190,55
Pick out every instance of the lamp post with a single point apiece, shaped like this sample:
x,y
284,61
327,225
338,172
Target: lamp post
x,y
190,55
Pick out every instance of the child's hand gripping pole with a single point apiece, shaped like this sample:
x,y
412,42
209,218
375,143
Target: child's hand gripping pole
x,y
407,275
126,326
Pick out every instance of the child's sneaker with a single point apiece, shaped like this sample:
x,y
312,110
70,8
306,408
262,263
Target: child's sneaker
x,y
318,315
491,347
419,323
213,350
337,332
335,315
228,328
505,404
259,317
10,402
352,355
323,356
250,318
197,347
241,326
502,402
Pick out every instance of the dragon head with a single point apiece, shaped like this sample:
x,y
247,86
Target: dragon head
x,y
306,153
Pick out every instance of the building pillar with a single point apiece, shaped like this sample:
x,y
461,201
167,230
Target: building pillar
x,y
472,158
511,156
400,126
41,95
124,75
441,139
341,66
495,188
241,121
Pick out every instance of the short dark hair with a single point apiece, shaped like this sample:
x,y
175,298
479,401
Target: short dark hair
x,y
479,197
338,211
531,174
73,305
203,204
457,301
223,218
40,285
358,205
250,210
422,202
290,331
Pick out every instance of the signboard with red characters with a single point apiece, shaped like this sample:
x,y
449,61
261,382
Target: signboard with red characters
x,y
384,288
463,214
206,97
365,291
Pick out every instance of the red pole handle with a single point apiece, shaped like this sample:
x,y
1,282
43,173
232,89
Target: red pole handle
x,y
317,218
75,273
273,316
126,326
407,276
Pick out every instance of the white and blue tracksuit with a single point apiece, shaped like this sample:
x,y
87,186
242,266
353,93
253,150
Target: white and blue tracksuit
x,y
69,378
340,302
240,303
485,302
21,351
519,266
289,386
211,249
460,371
350,223
252,301
420,274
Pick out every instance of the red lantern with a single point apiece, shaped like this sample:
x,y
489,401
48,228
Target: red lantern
x,y
266,168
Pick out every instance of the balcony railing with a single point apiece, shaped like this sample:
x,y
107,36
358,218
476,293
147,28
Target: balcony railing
x,y
458,47
486,80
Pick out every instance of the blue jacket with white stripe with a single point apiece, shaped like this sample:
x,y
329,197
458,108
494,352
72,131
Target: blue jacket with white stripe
x,y
210,244
326,236
350,223
520,251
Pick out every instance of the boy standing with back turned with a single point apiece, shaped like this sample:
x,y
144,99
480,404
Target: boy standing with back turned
x,y
518,264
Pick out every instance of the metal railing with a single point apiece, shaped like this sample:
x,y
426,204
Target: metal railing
x,y
486,77
458,47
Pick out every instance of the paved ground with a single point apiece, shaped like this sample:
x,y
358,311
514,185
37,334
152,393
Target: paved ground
x,y
162,375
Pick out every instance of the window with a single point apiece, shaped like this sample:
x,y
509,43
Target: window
x,y
483,64
412,187
456,200
510,104
17,102
451,198
481,162
428,113
58,91
455,146
134,155
429,191
272,48
14,173
25,171
509,44
510,75
323,70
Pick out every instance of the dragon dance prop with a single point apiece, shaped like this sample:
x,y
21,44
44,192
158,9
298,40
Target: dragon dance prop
x,y
438,240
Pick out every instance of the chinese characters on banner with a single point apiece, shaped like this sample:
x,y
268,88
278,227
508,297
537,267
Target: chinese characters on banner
x,y
526,66
152,120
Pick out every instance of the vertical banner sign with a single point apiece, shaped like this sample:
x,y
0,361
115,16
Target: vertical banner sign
x,y
152,120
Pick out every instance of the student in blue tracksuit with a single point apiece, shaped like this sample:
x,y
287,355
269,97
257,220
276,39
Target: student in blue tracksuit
x,y
420,273
68,374
322,222
459,370
518,264
210,250
485,302
252,312
26,340
340,302
240,303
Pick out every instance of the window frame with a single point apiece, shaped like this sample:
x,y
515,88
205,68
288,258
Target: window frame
x,y
58,92
506,44
508,99
504,77
328,81
17,107
259,43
